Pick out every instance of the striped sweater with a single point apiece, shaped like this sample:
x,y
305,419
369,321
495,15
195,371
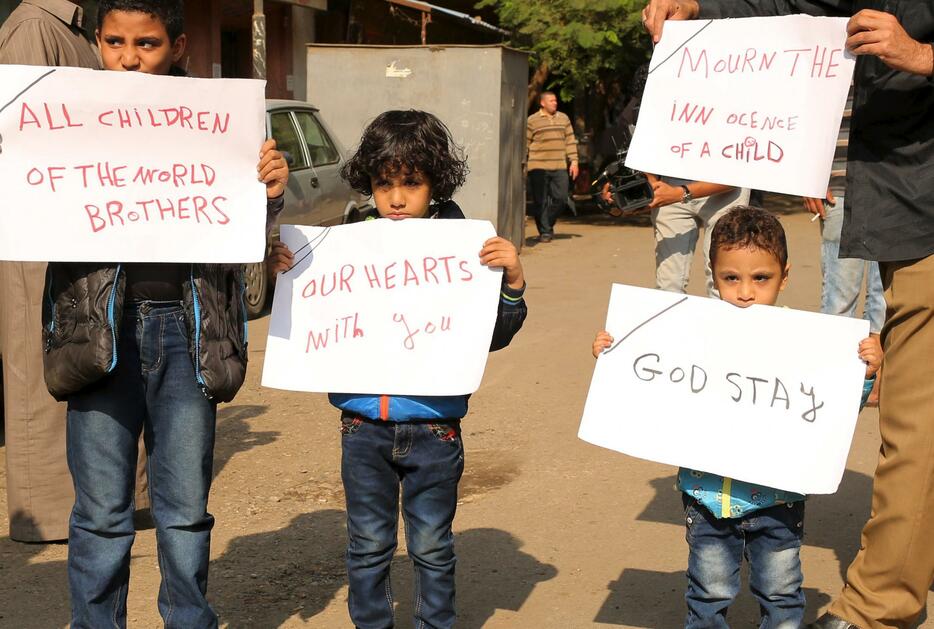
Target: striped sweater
x,y
550,141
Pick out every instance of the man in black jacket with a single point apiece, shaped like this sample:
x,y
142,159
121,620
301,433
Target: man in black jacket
x,y
889,217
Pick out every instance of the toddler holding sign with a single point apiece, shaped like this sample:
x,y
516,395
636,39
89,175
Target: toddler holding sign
x,y
406,160
728,519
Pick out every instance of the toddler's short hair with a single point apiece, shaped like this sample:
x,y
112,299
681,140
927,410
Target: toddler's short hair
x,y
746,226
170,12
407,141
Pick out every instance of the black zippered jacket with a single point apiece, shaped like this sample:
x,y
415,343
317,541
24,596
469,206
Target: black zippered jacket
x,y
83,308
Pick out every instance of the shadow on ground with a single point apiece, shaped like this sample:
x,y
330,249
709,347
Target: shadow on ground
x,y
263,580
627,604
832,521
533,241
36,592
234,434
492,573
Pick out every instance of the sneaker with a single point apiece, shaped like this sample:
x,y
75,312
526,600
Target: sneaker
x,y
546,237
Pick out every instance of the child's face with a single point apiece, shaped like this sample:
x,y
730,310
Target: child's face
x,y
401,195
748,275
137,42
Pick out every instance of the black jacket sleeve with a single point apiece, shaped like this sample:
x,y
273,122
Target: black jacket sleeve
x,y
273,209
714,9
509,316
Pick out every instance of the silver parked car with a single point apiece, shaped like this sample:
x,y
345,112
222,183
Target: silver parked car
x,y
316,195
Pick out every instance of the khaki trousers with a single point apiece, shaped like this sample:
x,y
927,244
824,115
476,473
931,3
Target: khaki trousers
x,y
887,584
40,493
677,228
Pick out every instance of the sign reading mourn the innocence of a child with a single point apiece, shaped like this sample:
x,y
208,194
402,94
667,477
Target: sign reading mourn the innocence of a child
x,y
129,167
383,307
763,394
751,102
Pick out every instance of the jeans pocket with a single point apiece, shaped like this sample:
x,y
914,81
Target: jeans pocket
x,y
181,325
350,425
447,433
690,514
794,518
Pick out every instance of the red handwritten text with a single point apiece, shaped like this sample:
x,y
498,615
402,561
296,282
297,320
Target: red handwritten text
x,y
429,328
344,328
816,62
197,208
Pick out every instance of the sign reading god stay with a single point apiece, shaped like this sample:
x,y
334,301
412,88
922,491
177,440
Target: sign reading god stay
x,y
761,394
383,307
129,167
751,102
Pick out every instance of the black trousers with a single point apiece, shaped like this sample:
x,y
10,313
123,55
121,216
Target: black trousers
x,y
549,189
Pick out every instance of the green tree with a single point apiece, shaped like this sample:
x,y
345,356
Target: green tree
x,y
576,45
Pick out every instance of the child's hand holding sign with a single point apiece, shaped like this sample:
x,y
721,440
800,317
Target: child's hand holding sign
x,y
499,252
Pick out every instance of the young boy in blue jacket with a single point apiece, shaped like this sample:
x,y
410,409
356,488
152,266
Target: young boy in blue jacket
x,y
406,160
729,519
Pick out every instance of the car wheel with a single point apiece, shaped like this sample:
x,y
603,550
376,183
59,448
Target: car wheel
x,y
257,288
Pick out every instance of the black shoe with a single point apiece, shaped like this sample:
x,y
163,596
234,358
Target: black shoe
x,y
546,237
829,621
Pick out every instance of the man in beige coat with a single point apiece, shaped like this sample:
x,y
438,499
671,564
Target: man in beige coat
x,y
40,493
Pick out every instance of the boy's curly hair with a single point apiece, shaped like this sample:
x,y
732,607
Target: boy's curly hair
x,y
407,141
170,12
746,226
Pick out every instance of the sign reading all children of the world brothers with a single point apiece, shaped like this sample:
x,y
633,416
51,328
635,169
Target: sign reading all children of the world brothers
x,y
751,102
384,307
762,394
129,167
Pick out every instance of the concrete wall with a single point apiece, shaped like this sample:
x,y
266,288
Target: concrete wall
x,y
479,93
303,32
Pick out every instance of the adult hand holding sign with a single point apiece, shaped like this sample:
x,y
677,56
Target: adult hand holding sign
x,y
751,103
881,34
657,11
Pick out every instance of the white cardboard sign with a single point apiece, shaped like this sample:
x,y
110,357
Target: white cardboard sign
x,y
129,167
750,102
763,394
383,307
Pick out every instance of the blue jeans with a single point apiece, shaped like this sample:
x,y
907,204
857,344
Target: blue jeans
x,y
152,390
427,459
843,277
769,539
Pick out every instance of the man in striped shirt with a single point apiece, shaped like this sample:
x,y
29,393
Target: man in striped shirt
x,y
552,156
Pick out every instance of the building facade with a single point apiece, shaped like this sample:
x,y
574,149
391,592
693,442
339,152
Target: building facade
x,y
267,38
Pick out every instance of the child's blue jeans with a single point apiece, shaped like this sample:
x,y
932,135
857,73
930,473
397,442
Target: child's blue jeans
x,y
427,460
153,390
769,539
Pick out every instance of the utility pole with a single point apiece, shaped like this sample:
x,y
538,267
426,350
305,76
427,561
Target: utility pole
x,y
259,40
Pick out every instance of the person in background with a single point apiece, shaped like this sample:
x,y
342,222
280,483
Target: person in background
x,y
551,157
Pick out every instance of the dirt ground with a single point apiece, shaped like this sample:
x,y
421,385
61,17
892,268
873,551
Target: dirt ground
x,y
552,532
